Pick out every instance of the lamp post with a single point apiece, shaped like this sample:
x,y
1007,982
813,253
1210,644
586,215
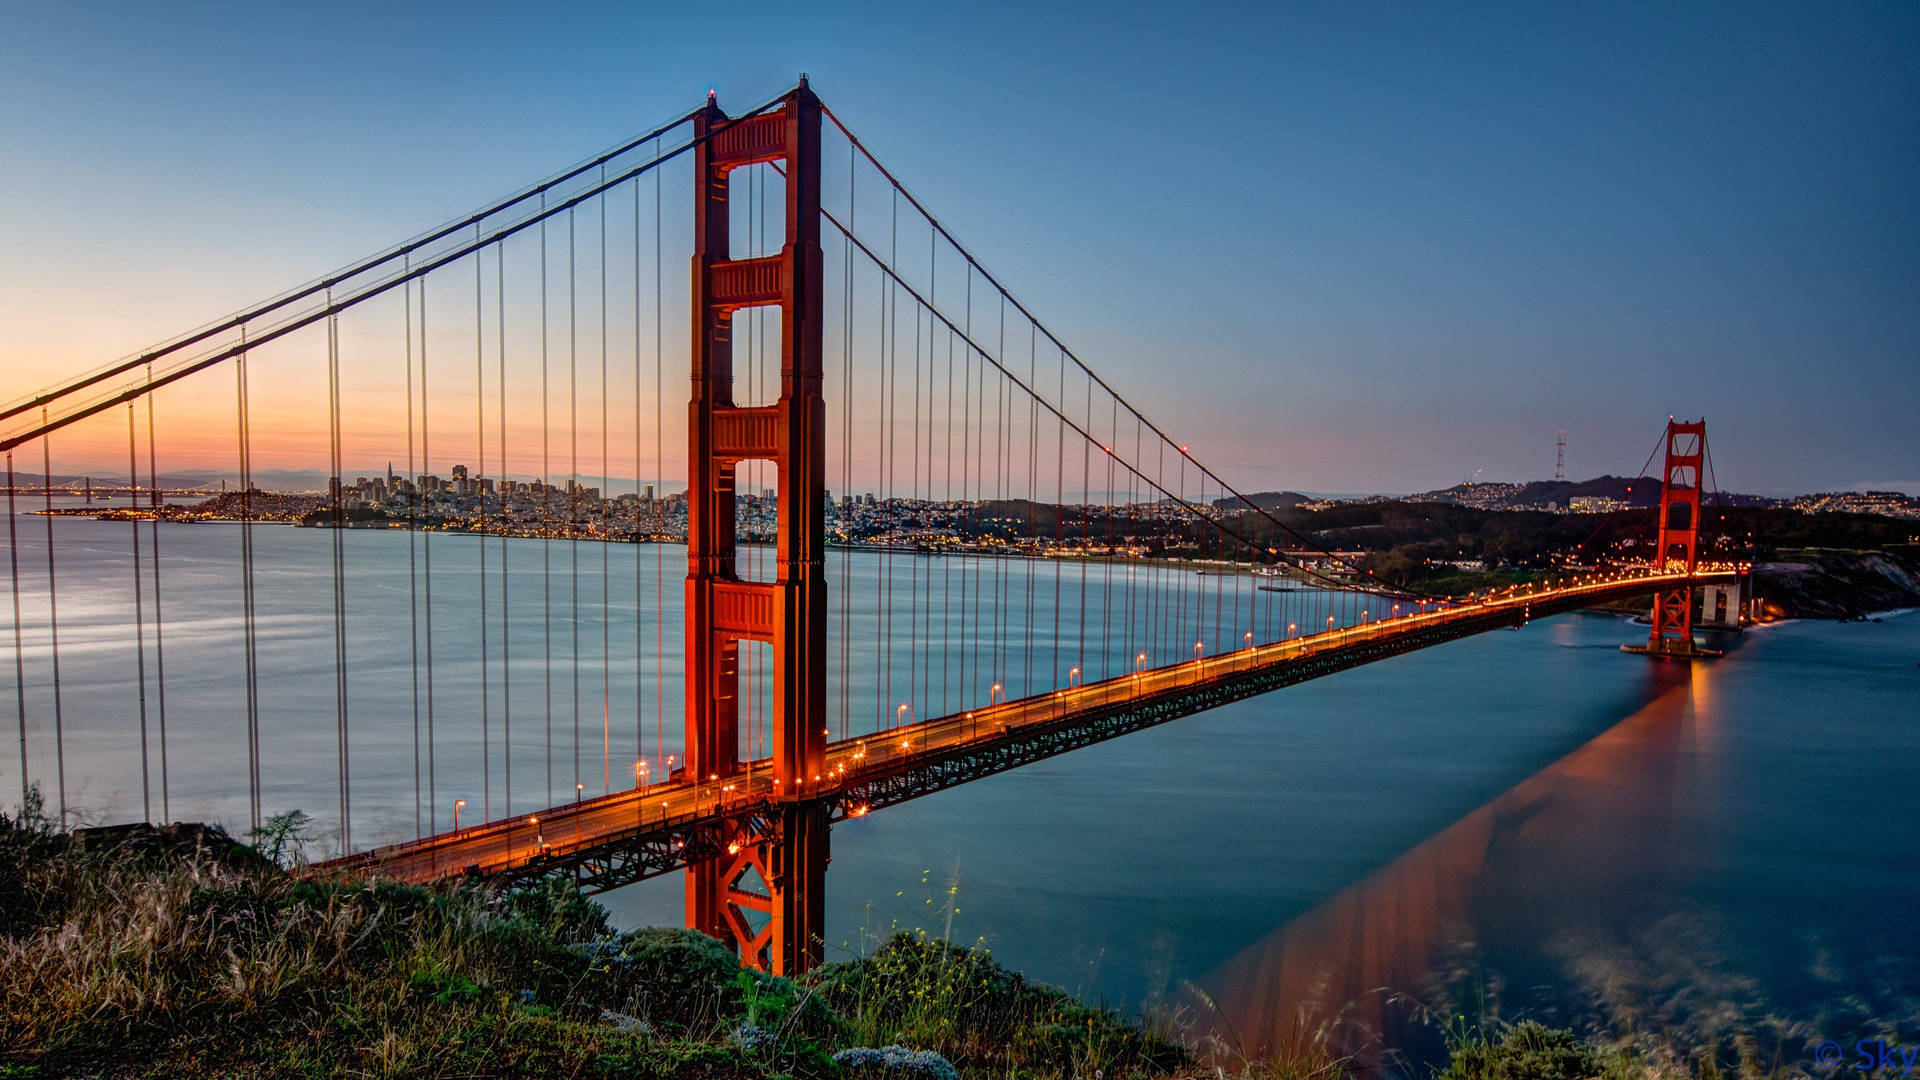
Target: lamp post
x,y
1073,676
457,804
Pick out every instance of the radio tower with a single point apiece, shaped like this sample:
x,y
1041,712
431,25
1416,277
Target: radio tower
x,y
1560,455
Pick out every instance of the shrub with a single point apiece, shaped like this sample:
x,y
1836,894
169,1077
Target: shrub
x,y
1532,1051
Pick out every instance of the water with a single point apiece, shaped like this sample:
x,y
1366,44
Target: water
x,y
1519,822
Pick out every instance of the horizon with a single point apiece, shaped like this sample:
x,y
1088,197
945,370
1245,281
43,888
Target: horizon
x,y
612,486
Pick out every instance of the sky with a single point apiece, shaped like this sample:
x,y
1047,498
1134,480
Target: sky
x,y
1341,248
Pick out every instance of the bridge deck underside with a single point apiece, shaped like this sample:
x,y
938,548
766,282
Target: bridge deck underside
x,y
629,836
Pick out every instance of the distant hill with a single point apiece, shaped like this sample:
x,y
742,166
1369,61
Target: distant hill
x,y
1633,491
1265,500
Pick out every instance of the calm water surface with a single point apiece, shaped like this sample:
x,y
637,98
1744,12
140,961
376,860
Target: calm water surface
x,y
1523,822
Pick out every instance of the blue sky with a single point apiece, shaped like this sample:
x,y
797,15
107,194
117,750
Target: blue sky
x,y
1347,247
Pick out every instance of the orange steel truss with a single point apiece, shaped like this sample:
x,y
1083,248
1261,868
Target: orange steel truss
x,y
764,896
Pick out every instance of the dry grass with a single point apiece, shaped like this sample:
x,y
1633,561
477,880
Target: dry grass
x,y
187,954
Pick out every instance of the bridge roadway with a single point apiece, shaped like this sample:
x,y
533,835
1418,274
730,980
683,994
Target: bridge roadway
x,y
615,839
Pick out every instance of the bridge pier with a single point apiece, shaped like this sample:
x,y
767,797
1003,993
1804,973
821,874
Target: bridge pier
x,y
766,896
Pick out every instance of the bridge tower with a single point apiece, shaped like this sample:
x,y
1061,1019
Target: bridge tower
x,y
765,895
1678,543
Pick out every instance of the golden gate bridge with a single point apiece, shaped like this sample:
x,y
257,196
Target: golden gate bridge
x,y
1093,577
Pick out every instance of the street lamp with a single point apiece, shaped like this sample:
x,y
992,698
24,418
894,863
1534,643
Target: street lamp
x,y
457,804
1196,651
1140,662
996,694
1073,676
640,773
903,714
579,791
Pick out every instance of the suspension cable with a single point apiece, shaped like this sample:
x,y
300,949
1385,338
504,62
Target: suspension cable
x,y
1102,383
1085,433
357,269
370,291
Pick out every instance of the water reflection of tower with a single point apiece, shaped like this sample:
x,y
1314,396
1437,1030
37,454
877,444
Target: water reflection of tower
x,y
1585,846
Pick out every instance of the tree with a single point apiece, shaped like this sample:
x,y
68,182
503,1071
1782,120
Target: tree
x,y
283,836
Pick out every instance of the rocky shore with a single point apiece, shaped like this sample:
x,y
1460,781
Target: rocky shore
x,y
1824,583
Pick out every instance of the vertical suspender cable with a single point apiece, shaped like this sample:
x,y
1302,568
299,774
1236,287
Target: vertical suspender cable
x,y
246,588
19,651
426,558
1086,530
139,614
946,573
506,638
972,452
478,492
573,480
413,586
913,564
339,580
1106,567
846,463
606,489
890,378
640,656
883,688
546,508
1028,564
157,500
1059,517
1001,452
53,623
659,493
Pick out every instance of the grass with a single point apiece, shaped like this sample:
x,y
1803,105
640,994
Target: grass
x,y
182,953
